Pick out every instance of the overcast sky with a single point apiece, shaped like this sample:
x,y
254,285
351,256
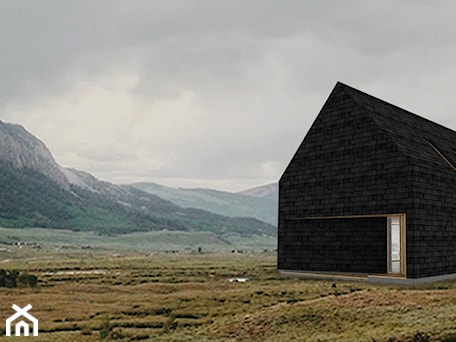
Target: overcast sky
x,y
211,93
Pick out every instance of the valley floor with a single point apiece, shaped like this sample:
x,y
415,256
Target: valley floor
x,y
87,295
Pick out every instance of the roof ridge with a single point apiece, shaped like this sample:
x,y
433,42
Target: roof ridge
x,y
371,114
410,132
353,91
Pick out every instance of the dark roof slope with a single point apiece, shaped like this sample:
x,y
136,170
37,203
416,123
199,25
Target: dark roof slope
x,y
426,143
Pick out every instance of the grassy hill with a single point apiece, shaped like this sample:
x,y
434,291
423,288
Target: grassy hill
x,y
219,202
30,199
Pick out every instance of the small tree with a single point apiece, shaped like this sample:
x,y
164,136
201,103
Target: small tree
x,y
11,279
2,278
15,278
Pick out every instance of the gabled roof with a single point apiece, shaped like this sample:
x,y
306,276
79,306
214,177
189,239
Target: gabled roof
x,y
425,142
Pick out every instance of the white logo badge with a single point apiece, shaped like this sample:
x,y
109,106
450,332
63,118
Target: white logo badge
x,y
22,325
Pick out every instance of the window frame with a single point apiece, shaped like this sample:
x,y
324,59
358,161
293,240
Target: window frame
x,y
402,244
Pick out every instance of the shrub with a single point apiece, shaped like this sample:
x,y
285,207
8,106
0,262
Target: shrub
x,y
105,328
421,337
15,278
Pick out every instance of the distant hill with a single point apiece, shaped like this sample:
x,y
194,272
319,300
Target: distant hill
x,y
36,192
269,191
260,202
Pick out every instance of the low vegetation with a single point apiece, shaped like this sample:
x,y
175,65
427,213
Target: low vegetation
x,y
17,278
92,296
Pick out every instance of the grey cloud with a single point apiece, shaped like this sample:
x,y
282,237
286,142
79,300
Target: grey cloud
x,y
196,42
259,71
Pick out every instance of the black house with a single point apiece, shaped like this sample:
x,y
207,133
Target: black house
x,y
371,191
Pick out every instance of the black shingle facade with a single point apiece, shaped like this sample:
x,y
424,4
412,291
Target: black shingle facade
x,y
362,163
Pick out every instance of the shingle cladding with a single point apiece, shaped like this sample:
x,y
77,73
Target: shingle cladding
x,y
355,245
363,156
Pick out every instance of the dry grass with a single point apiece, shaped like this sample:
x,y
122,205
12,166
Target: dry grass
x,y
88,296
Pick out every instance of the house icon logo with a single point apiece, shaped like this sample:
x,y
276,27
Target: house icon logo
x,y
22,325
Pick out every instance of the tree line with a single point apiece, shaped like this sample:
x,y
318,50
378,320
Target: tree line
x,y
17,278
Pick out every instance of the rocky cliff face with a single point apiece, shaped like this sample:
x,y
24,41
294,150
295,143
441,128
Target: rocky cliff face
x,y
23,150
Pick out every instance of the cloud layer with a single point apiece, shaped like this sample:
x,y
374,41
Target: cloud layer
x,y
211,93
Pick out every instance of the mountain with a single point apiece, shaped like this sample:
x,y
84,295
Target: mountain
x,y
269,191
260,202
23,150
36,192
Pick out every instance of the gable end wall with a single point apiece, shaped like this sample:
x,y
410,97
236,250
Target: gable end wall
x,y
345,166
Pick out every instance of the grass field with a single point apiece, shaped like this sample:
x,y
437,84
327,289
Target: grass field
x,y
56,240
86,295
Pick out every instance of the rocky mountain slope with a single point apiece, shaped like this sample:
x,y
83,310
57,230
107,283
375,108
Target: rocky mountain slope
x,y
23,150
36,192
260,202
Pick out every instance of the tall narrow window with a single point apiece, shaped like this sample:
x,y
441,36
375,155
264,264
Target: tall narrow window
x,y
394,234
